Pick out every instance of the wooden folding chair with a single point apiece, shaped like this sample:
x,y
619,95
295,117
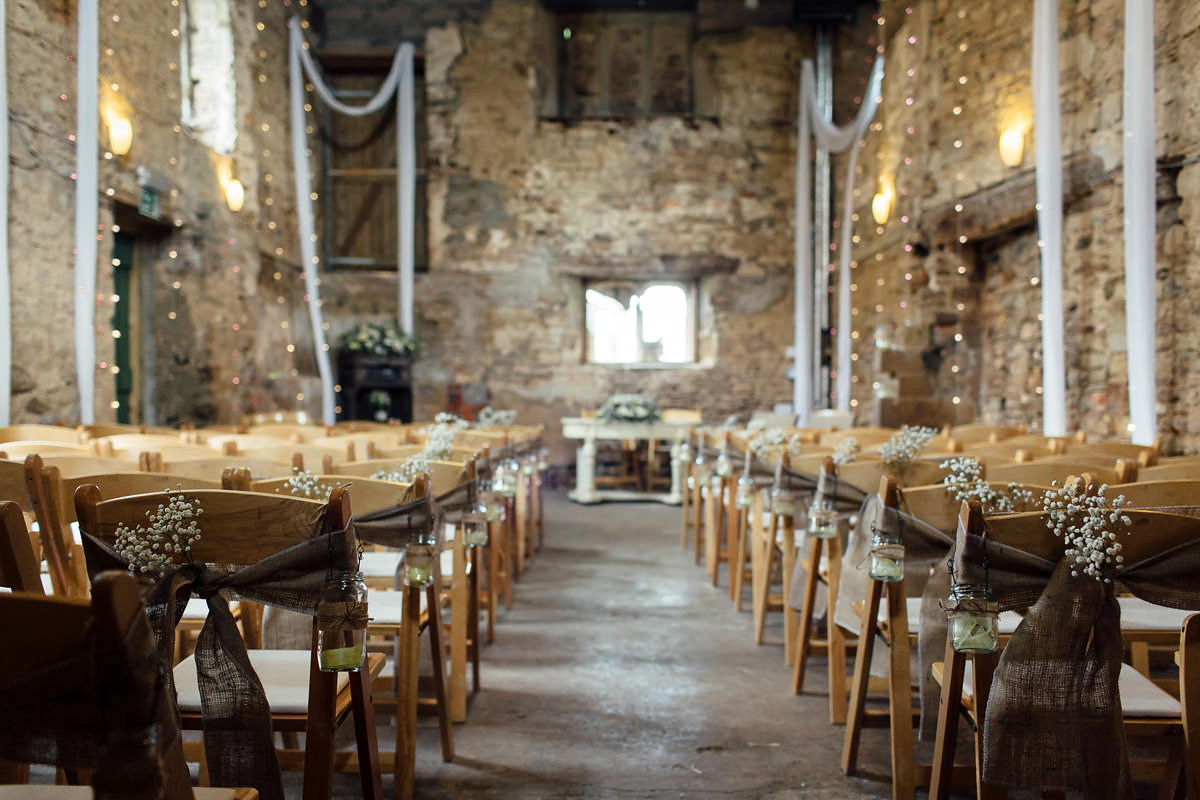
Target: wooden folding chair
x,y
39,433
1148,712
242,528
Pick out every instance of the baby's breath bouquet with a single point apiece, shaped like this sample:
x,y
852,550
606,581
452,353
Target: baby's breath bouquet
x,y
1088,524
306,484
846,451
964,479
901,450
167,539
378,340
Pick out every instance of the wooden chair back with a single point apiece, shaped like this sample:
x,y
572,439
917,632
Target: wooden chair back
x,y
18,450
286,432
277,418
312,458
1045,472
39,433
67,626
867,437
211,469
367,494
18,563
1189,698
979,433
1182,469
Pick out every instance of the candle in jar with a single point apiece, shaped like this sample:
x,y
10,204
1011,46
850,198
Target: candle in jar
x,y
342,659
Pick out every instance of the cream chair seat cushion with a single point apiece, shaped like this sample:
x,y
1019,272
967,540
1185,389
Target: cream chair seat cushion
x,y
284,676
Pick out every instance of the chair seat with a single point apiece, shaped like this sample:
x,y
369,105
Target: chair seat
x,y
385,565
1140,697
1009,620
82,792
387,608
1139,615
284,675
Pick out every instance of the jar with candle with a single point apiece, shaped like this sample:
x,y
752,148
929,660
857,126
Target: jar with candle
x,y
822,521
342,623
723,467
543,459
783,502
475,524
973,618
702,468
887,556
745,492
419,554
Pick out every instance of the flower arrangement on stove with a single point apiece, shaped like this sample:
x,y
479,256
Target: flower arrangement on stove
x,y
628,408
378,340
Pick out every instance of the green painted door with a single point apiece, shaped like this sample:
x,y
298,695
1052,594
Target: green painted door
x,y
122,261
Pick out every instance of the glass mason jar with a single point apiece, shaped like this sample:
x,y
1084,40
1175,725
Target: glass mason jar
x,y
723,467
783,502
475,524
822,522
419,553
973,619
531,464
702,468
495,506
504,478
887,557
342,623
543,459
745,492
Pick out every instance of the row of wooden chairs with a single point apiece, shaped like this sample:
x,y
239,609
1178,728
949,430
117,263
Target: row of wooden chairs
x,y
707,513
464,633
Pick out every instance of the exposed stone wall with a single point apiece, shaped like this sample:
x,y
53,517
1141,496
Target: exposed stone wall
x,y
936,138
207,320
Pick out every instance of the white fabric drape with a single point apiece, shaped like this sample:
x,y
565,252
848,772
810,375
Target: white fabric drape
x,y
1140,168
399,76
1047,130
832,139
5,292
87,159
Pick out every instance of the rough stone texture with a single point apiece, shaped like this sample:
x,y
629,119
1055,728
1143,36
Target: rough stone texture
x,y
206,318
975,59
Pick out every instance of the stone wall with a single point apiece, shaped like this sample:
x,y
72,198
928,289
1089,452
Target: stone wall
x,y
956,77
209,323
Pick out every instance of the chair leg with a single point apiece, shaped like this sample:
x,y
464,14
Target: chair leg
x,y
459,616
318,740
900,697
407,649
855,710
492,559
685,508
365,735
762,556
698,519
473,618
804,641
835,637
788,555
737,571
521,522
942,769
983,666
437,649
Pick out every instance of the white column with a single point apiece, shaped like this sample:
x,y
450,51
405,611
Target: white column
x,y
1140,280
5,294
1047,131
802,366
87,155
406,187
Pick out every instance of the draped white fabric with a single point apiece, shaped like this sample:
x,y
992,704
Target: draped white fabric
x,y
1140,281
832,139
400,76
1047,131
87,159
5,292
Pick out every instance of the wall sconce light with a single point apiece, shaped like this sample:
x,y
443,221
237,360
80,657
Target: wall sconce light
x,y
120,134
1012,147
235,195
881,206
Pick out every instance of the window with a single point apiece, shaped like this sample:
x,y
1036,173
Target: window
x,y
624,64
209,86
359,154
640,323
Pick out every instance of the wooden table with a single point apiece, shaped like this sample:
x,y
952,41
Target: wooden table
x,y
589,430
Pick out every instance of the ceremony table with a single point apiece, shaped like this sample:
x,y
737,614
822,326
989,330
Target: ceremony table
x,y
589,430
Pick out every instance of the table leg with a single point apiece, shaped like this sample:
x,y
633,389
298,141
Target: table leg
x,y
676,495
585,465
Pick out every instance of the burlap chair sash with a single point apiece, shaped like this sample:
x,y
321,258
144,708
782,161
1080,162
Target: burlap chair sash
x,y
61,714
452,505
1053,717
238,744
395,527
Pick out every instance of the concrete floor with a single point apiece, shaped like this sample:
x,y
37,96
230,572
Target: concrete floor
x,y
620,673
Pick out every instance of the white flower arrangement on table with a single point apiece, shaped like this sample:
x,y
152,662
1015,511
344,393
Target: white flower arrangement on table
x,y
628,408
1088,524
168,538
904,446
305,484
489,417
379,399
846,451
378,340
965,481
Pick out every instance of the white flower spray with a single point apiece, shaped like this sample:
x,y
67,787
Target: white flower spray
x,y
846,451
1088,524
306,484
902,449
964,480
168,538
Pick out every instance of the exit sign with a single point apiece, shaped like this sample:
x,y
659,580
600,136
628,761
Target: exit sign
x,y
149,203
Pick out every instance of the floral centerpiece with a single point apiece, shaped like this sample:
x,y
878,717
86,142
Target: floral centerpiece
x,y
373,339
628,408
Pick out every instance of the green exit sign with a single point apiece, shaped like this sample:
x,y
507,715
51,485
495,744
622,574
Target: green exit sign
x,y
149,203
